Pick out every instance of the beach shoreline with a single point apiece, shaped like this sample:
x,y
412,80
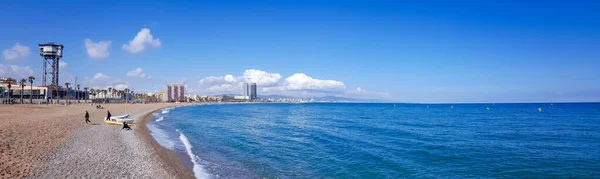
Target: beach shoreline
x,y
173,141
169,157
53,141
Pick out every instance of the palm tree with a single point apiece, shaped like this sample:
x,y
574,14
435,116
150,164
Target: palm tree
x,y
31,78
85,89
55,88
51,92
22,84
120,93
110,90
77,93
67,91
97,92
9,85
112,94
104,92
92,91
126,91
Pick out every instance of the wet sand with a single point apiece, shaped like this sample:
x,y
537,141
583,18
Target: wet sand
x,y
53,141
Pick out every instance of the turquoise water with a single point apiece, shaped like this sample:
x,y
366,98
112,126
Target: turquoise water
x,y
385,141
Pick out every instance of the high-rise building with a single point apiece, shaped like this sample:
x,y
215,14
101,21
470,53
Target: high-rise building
x,y
246,91
181,92
253,91
175,92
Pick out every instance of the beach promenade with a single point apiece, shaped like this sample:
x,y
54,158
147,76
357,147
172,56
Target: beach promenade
x,y
53,141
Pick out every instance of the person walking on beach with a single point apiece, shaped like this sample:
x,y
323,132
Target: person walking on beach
x,y
87,117
108,115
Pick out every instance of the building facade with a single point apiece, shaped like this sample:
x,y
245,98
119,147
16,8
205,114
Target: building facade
x,y
4,87
253,91
161,96
174,93
42,93
246,91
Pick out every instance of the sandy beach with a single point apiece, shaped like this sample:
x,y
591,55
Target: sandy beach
x,y
53,141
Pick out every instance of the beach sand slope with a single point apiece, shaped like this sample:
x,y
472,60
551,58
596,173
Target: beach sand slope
x,y
52,141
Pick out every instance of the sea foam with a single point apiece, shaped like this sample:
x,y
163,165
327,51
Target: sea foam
x,y
199,172
161,136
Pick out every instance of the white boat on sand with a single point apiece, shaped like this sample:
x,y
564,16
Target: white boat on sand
x,y
118,117
128,121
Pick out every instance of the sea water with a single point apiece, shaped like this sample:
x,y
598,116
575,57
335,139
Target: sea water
x,y
345,140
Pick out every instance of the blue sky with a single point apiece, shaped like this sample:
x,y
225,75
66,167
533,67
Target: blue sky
x,y
435,51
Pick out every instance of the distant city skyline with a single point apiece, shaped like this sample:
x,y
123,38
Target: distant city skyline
x,y
249,90
421,52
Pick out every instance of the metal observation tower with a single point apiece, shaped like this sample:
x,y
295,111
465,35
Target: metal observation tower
x,y
51,54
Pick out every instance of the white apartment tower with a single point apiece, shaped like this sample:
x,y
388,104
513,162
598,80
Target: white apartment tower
x,y
246,91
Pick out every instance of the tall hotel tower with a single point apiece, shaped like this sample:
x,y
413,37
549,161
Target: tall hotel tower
x,y
253,91
175,92
246,91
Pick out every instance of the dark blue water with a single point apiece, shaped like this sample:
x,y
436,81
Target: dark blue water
x,y
386,141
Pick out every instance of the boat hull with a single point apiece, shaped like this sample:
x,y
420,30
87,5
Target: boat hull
x,y
118,117
117,123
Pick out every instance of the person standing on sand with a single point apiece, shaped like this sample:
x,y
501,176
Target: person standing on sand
x,y
87,117
108,115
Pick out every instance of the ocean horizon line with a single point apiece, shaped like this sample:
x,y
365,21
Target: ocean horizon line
x,y
386,102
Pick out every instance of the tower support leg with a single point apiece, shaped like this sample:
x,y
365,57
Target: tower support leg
x,y
55,71
44,73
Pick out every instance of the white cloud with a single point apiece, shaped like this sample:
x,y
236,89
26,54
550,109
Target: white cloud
x,y
269,83
121,86
62,64
15,71
102,81
97,50
261,78
221,84
139,42
233,84
138,72
301,81
298,85
230,79
100,76
16,52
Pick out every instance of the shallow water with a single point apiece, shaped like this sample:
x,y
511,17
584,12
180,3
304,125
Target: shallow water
x,y
386,141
